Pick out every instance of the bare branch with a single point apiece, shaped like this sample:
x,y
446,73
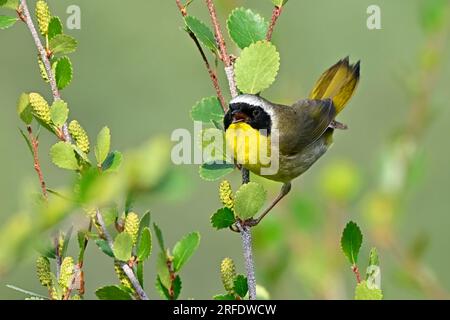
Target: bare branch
x,y
276,13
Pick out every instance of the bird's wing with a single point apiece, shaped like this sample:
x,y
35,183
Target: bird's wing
x,y
313,119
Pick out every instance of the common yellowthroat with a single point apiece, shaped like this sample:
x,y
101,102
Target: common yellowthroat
x,y
304,130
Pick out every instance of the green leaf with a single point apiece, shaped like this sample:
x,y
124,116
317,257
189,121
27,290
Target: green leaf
x,y
159,237
249,199
66,240
123,246
162,270
140,273
207,110
184,249
373,257
362,292
6,21
246,27
112,162
112,293
63,44
177,285
145,222
59,113
24,109
11,4
63,155
104,246
54,27
202,32
226,296
257,67
63,72
223,218
279,3
144,247
215,171
162,290
103,145
351,242
110,215
240,285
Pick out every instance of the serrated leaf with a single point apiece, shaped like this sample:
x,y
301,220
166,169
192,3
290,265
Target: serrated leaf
x,y
112,162
103,145
112,293
7,21
63,72
63,155
240,285
351,241
279,3
246,27
24,109
63,44
59,113
144,247
223,218
224,297
54,27
162,290
249,199
362,292
215,171
159,237
202,32
145,221
123,246
140,273
184,249
257,67
176,285
207,110
162,270
104,246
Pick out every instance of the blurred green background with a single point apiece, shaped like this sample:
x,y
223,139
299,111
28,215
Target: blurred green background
x,y
139,73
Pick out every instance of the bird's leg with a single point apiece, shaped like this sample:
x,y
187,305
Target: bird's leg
x,y
284,191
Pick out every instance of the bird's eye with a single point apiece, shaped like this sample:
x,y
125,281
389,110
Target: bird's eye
x,y
256,112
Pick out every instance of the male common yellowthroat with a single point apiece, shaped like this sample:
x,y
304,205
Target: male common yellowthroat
x,y
304,130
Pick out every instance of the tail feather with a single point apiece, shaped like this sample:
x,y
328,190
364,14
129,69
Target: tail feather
x,y
338,83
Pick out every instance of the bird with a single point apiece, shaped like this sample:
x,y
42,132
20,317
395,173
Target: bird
x,y
304,131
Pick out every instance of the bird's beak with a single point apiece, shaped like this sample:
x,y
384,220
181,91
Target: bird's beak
x,y
239,117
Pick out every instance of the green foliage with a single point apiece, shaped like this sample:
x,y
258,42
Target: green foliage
x,y
104,247
184,249
246,27
163,270
351,242
144,247
112,162
207,110
7,21
177,285
249,200
215,171
159,237
240,286
63,72
103,145
112,293
223,218
54,27
279,3
62,44
10,4
363,292
123,246
257,67
225,296
24,109
63,155
202,32
162,290
59,113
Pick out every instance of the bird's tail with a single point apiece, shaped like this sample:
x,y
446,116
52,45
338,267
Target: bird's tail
x,y
338,83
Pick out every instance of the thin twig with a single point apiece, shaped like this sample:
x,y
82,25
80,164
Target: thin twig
x,y
355,270
248,257
37,166
25,16
275,15
212,73
125,267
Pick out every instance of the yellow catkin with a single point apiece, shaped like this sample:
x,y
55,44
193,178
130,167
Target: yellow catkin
x,y
43,16
228,274
43,271
40,107
66,273
132,226
122,276
226,194
80,136
42,70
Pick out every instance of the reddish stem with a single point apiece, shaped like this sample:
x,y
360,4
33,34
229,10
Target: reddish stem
x,y
275,15
37,166
357,274
219,37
